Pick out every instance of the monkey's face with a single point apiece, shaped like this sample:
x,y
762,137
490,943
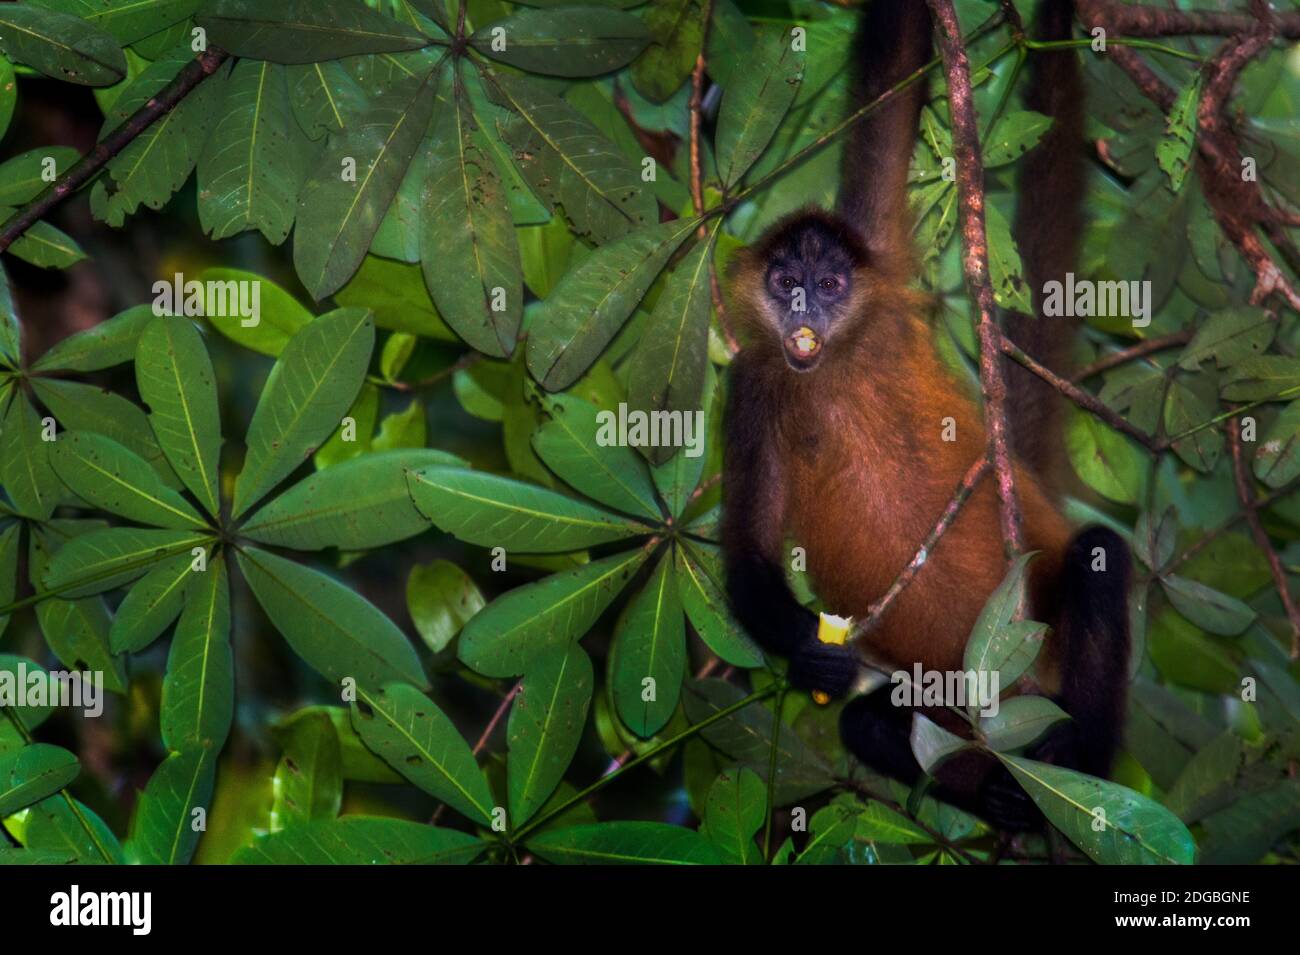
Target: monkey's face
x,y
811,270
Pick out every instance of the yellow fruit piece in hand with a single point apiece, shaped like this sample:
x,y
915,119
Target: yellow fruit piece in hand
x,y
831,629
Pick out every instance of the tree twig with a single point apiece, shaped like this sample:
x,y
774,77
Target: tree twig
x,y
970,191
1148,347
1136,20
85,169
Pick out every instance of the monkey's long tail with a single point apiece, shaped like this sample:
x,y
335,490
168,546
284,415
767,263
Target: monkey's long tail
x,y
1094,665
1047,227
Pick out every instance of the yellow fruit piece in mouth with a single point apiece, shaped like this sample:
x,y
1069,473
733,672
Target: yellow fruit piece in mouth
x,y
805,340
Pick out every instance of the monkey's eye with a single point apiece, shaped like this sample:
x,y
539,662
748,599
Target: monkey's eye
x,y
787,282
828,285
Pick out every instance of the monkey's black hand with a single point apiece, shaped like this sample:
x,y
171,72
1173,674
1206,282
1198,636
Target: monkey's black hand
x,y
827,667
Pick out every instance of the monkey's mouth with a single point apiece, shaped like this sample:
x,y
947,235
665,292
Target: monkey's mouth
x,y
803,348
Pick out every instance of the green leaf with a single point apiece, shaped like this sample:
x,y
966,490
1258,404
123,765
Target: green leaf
x,y
1246,830
592,302
43,245
353,505
668,369
999,643
699,586
1278,459
279,318
60,45
25,470
358,425
62,824
545,727
9,545
440,598
878,823
650,644
754,104
30,774
308,391
337,632
304,31
27,175
417,739
504,638
579,41
736,808
163,831
101,346
677,478
1262,378
150,605
198,693
569,163
308,783
932,744
104,559
1020,721
570,444
1228,337
405,429
8,94
325,97
1112,824
1006,272
468,248
1206,607
1109,462
1017,132
349,190
252,167
10,331
109,477
1174,151
156,163
1185,409
80,407
624,843
127,20
677,30
495,511
359,840
175,378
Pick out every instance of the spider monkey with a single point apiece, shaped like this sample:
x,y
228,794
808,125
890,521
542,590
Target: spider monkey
x,y
833,426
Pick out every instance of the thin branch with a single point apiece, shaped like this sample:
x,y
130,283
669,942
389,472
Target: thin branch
x,y
1134,352
1135,20
85,169
484,737
970,191
1209,537
1246,493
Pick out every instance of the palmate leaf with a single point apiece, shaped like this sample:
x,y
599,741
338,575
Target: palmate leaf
x,y
626,843
667,370
336,631
338,216
417,739
158,161
650,644
253,164
280,315
308,783
104,559
356,504
754,104
30,774
174,375
570,163
109,477
592,302
495,511
582,41
736,808
198,693
163,830
304,31
308,391
325,97
699,587
545,727
1112,824
504,638
360,840
63,825
101,346
59,45
25,470
468,249
151,605
569,444
126,20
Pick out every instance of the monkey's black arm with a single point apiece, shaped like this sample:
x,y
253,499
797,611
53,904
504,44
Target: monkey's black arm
x,y
752,536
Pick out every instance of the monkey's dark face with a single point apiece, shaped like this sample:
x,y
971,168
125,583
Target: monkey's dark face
x,y
812,266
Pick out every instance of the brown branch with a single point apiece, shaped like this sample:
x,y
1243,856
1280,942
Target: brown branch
x,y
1246,493
1134,20
1133,352
908,574
85,169
975,264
